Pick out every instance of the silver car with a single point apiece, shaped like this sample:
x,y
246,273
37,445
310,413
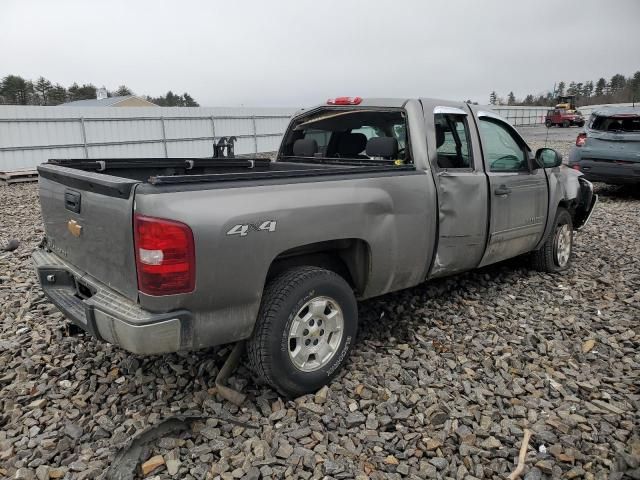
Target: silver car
x,y
609,149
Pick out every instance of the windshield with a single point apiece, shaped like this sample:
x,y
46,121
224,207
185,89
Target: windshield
x,y
616,123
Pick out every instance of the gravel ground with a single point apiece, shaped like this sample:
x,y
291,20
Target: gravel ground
x,y
442,382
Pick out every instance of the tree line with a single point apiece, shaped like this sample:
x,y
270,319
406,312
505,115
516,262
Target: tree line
x,y
15,90
619,89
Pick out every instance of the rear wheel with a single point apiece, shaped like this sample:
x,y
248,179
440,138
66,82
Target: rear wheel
x,y
306,327
566,124
555,254
548,123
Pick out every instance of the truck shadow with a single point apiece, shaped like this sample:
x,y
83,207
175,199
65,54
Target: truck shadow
x,y
617,192
394,315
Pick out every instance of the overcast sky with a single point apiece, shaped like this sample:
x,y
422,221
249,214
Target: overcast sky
x,y
298,52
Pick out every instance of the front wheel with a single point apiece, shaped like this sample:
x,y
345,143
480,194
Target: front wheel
x,y
305,330
548,124
555,254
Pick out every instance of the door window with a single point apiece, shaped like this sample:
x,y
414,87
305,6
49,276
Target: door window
x,y
452,140
502,151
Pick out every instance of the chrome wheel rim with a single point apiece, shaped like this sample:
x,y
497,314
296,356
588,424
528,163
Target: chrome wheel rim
x,y
315,334
563,245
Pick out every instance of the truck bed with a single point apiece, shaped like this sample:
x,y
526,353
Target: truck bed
x,y
88,206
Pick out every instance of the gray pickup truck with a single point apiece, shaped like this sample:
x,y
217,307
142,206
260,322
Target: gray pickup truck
x,y
365,197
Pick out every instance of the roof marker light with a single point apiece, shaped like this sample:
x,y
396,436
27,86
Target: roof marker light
x,y
344,101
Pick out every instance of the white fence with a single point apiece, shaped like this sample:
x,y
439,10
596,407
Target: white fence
x,y
521,116
32,135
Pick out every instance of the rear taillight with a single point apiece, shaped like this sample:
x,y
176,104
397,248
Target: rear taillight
x,y
581,140
165,257
575,167
344,101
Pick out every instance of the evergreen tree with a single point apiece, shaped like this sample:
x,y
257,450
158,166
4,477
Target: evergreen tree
x,y
511,99
85,92
173,100
57,95
42,88
560,89
493,98
634,87
617,83
189,101
588,89
15,90
123,91
600,86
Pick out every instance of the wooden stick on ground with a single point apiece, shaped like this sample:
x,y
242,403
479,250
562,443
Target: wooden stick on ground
x,y
522,457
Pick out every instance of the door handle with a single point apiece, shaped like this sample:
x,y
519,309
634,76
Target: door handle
x,y
502,191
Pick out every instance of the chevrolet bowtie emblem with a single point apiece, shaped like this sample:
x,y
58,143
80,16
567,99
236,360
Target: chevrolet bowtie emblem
x,y
74,227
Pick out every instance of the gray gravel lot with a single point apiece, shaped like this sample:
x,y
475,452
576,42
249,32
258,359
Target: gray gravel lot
x,y
443,380
554,134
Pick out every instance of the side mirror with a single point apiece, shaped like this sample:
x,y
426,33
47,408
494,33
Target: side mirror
x,y
548,158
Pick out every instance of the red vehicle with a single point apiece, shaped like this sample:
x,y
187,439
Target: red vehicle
x,y
563,118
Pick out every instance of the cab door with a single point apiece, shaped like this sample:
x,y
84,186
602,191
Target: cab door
x,y
518,193
456,162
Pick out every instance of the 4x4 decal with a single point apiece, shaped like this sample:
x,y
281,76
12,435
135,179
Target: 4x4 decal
x,y
244,229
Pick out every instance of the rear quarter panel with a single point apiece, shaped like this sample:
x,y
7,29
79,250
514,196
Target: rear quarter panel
x,y
393,214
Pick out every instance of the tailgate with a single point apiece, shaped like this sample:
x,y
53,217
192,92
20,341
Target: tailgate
x,y
88,221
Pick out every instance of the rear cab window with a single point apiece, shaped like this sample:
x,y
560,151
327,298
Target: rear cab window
x,y
346,135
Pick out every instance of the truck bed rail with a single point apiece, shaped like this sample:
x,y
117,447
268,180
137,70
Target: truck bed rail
x,y
104,164
266,174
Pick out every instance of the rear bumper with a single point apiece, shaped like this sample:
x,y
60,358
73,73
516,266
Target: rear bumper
x,y
611,178
617,169
107,315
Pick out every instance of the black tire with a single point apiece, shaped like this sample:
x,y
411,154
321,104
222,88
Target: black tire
x,y
566,124
548,123
282,300
547,258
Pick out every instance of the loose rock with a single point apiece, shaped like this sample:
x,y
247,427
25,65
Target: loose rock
x,y
443,380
